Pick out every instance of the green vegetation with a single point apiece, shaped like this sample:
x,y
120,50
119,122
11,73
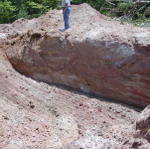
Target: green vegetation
x,y
7,11
11,10
125,10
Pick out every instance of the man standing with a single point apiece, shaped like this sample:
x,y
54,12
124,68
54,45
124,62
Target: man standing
x,y
66,6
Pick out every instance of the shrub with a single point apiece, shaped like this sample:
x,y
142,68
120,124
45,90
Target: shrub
x,y
34,9
7,12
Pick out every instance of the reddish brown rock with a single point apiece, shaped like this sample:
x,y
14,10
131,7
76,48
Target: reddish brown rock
x,y
97,55
143,125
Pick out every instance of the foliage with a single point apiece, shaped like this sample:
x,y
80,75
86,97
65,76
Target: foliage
x,y
7,11
34,9
124,7
11,10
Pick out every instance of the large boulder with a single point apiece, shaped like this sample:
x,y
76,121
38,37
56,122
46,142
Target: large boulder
x,y
97,55
143,125
141,135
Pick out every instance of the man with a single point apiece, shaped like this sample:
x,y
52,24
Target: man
x,y
66,6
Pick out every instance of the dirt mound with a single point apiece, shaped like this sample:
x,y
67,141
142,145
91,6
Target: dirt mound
x,y
97,55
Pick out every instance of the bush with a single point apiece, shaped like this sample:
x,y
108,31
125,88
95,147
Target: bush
x,y
147,12
34,9
14,9
7,11
22,13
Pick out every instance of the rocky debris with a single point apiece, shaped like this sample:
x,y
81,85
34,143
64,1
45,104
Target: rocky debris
x,y
97,55
3,36
141,135
143,125
139,144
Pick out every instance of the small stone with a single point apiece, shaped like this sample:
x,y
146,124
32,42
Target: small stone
x,y
32,106
5,117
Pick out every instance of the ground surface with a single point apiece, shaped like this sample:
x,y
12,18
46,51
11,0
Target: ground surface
x,y
36,115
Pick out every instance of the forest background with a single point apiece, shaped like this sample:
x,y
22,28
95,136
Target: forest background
x,y
124,10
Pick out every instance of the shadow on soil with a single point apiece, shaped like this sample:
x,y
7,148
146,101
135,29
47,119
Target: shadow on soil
x,y
92,95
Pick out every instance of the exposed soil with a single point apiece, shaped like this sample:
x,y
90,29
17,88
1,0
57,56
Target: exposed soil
x,y
36,115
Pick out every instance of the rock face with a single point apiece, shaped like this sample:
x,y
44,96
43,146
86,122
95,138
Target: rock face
x,y
37,115
97,55
141,137
143,125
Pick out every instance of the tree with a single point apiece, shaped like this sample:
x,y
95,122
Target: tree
x,y
7,11
14,9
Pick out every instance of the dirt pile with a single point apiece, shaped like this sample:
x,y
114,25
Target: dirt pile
x,y
97,55
37,115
